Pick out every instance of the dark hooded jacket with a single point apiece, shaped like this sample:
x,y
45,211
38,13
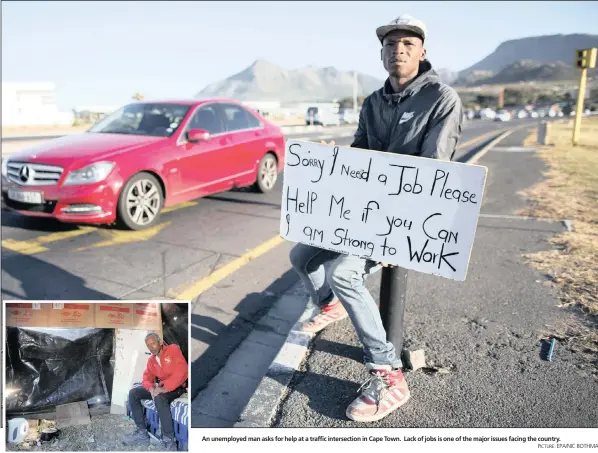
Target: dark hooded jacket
x,y
424,119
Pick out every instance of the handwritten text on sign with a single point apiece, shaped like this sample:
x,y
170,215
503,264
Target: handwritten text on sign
x,y
408,211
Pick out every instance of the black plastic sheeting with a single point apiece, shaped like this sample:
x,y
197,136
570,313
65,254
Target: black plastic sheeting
x,y
47,367
175,325
53,366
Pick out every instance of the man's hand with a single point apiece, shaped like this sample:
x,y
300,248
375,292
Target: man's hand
x,y
156,391
385,265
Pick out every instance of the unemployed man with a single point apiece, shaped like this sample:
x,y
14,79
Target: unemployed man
x,y
164,380
414,114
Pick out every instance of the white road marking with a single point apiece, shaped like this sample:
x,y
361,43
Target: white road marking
x,y
513,149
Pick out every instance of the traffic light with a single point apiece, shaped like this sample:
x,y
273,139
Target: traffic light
x,y
586,58
581,59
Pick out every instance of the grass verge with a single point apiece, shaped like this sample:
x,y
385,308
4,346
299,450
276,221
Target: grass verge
x,y
570,191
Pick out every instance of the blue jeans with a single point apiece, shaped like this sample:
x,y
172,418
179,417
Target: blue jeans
x,y
346,280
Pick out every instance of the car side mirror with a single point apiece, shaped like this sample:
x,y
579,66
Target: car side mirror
x,y
196,135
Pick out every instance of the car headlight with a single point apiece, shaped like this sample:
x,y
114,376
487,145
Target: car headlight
x,y
90,174
5,167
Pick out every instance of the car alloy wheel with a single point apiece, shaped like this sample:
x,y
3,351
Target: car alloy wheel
x,y
143,202
268,173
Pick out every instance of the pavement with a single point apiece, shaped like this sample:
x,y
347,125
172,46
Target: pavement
x,y
222,252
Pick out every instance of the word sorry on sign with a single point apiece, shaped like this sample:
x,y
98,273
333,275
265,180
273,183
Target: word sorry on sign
x,y
413,212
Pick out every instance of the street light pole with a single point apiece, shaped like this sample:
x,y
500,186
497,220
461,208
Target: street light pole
x,y
393,297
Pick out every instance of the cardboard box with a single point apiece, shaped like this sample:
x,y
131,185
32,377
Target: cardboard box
x,y
33,314
72,315
112,316
147,316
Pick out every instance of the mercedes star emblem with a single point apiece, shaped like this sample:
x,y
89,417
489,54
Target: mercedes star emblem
x,y
24,173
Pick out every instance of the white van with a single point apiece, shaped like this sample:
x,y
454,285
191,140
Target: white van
x,y
322,116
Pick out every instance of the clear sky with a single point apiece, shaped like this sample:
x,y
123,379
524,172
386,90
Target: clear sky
x,y
101,53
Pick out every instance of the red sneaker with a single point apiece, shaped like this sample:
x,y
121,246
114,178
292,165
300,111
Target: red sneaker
x,y
384,392
329,313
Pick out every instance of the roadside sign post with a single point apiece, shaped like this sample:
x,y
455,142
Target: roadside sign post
x,y
585,59
393,298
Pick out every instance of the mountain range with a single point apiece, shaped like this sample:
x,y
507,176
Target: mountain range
x,y
264,80
539,58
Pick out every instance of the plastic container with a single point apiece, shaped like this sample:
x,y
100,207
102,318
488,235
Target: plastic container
x,y
18,428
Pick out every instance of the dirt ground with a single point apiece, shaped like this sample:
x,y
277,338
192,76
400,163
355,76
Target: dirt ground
x,y
103,434
570,191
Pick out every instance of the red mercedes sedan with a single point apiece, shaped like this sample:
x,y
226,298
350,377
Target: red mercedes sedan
x,y
142,158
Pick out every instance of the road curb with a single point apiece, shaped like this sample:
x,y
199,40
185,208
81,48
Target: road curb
x,y
263,405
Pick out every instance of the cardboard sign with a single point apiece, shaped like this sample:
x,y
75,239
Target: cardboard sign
x,y
413,212
110,316
147,316
71,315
34,314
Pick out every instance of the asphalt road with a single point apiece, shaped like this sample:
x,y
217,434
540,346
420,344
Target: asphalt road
x,y
178,258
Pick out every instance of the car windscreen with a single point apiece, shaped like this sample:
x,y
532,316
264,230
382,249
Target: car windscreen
x,y
157,120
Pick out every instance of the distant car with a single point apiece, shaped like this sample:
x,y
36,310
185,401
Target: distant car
x,y
487,114
320,116
522,114
142,158
502,115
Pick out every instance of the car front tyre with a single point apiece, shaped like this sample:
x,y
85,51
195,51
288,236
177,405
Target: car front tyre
x,y
140,202
267,173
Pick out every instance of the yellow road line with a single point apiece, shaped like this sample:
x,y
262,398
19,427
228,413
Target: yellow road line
x,y
186,204
118,237
35,245
479,138
221,273
24,247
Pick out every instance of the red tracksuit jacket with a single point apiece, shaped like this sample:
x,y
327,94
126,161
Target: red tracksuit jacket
x,y
172,370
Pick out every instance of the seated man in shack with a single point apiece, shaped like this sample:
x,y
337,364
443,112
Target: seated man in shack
x,y
164,380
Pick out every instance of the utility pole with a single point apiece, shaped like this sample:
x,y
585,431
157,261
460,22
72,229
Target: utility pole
x,y
586,59
501,98
354,91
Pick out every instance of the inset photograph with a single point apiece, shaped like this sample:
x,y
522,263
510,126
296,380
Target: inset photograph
x,y
96,376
